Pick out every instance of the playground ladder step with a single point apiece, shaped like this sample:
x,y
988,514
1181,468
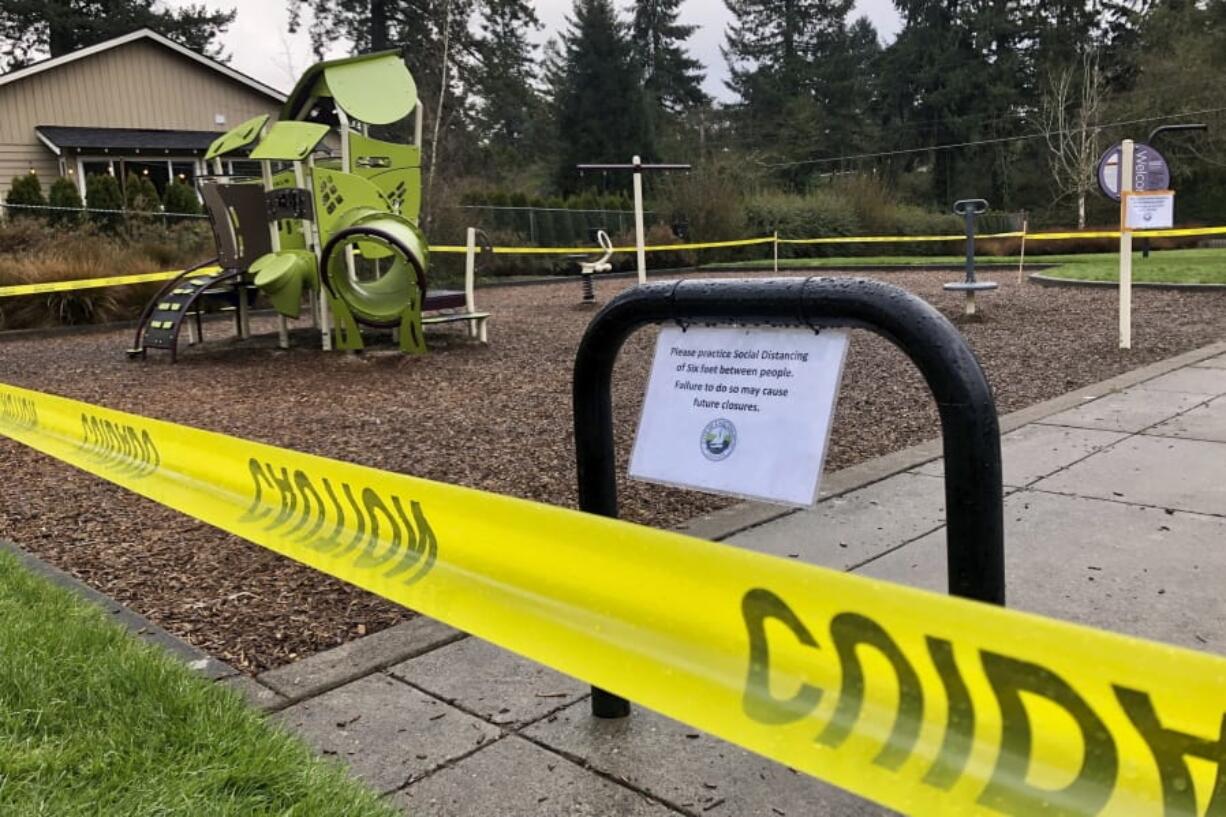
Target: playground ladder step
x,y
180,301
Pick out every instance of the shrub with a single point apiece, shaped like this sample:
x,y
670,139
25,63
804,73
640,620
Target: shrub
x,y
64,194
140,196
102,193
816,215
180,198
21,235
709,202
30,253
26,191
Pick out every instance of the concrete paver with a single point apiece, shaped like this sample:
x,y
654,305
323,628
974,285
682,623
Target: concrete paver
x,y
386,731
1168,472
491,682
1207,422
1134,570
849,529
692,770
1035,451
327,670
516,778
1193,380
1131,410
256,694
1218,362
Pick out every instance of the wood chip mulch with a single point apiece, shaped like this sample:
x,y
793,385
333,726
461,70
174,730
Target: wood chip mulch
x,y
495,418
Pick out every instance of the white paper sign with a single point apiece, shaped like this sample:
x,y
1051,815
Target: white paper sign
x,y
1150,211
745,412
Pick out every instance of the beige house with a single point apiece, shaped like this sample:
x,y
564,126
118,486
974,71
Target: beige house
x,y
139,103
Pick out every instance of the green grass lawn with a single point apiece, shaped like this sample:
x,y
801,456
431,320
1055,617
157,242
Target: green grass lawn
x,y
94,722
1167,266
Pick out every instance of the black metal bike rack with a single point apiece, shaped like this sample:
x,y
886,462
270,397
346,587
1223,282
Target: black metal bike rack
x,y
969,428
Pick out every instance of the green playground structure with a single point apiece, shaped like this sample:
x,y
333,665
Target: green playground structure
x,y
332,216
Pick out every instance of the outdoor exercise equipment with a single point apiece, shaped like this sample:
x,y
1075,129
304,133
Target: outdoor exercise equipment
x,y
970,209
589,268
970,431
333,215
637,168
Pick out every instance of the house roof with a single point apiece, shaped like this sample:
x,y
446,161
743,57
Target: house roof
x,y
58,137
152,36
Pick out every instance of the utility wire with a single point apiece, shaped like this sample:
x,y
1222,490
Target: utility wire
x,y
979,142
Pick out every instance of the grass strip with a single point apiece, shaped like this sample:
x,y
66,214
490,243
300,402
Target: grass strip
x,y
94,722
1200,266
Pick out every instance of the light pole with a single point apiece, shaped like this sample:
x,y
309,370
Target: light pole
x,y
1153,136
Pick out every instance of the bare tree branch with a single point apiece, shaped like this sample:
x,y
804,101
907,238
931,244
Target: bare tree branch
x,y
1068,119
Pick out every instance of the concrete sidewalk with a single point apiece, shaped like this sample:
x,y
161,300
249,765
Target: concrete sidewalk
x,y
1115,517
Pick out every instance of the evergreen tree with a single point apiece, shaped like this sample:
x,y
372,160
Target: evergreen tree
x,y
601,110
180,198
959,74
671,77
508,106
139,194
806,80
25,191
102,193
64,195
33,29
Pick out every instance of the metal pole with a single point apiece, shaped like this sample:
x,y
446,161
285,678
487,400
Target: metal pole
x,y
1021,264
1150,140
640,238
969,427
970,260
1127,173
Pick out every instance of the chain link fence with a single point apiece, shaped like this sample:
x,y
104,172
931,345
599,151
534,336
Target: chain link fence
x,y
551,226
108,218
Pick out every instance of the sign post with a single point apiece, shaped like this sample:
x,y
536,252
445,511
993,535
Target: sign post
x,y
1126,179
1126,168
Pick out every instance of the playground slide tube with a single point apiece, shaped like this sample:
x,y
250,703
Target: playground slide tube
x,y
368,304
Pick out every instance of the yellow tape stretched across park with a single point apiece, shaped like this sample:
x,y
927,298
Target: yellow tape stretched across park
x,y
92,283
704,245
125,280
927,704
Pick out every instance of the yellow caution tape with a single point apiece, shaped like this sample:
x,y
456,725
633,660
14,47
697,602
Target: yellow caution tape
x,y
707,245
121,280
890,239
94,283
927,704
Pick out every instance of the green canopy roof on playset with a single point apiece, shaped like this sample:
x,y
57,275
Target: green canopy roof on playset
x,y
373,88
290,141
238,137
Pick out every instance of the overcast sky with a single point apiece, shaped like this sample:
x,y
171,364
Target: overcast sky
x,y
260,46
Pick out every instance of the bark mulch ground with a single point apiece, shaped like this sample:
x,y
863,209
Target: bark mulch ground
x,y
495,418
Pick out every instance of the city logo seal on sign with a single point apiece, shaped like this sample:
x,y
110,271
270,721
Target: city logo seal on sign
x,y
718,440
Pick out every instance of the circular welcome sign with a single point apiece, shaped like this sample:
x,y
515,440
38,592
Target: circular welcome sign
x,y
1149,170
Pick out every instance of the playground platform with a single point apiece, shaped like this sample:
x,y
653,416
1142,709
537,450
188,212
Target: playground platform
x,y
1115,511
